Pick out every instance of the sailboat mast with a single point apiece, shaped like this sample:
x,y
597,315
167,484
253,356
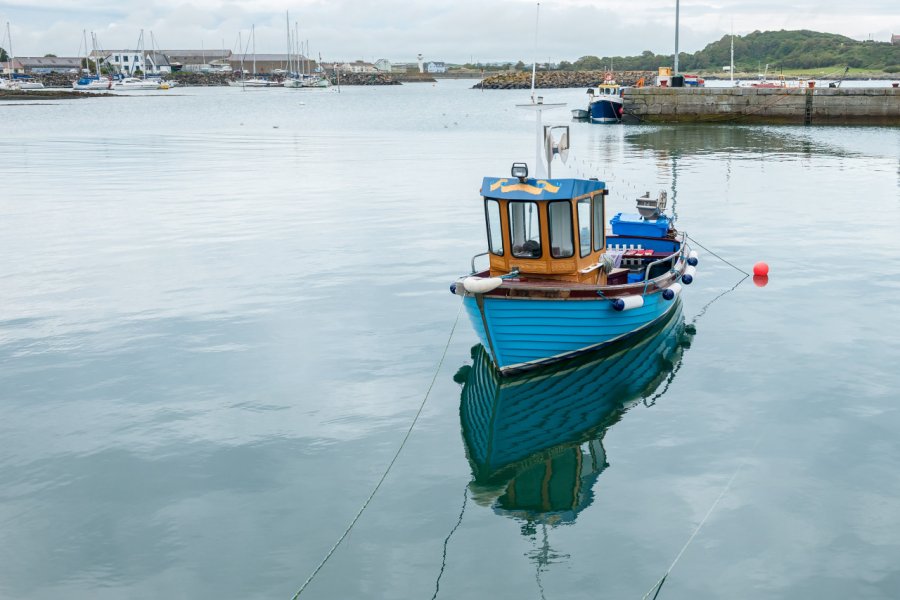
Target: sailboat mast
x,y
96,54
241,47
9,56
287,28
87,61
253,35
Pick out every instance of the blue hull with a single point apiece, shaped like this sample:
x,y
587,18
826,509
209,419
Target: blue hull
x,y
605,111
520,334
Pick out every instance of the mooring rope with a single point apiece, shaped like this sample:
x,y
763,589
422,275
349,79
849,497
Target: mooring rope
x,y
693,239
390,464
462,511
658,585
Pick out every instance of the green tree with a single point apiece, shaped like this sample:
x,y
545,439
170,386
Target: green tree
x,y
3,55
519,66
50,56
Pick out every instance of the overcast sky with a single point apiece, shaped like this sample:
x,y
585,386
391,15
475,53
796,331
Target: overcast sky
x,y
452,31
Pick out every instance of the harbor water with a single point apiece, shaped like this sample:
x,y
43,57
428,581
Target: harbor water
x,y
220,311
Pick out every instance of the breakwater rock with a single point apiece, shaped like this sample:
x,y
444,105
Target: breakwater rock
x,y
365,79
560,79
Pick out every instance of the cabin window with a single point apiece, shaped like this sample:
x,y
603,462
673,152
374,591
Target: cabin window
x,y
599,231
584,226
525,229
495,233
561,245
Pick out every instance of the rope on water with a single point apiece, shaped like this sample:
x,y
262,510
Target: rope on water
x,y
462,511
390,465
693,239
658,585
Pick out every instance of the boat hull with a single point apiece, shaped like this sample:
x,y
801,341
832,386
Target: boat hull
x,y
606,110
520,334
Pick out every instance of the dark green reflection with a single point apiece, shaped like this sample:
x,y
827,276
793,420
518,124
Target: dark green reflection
x,y
714,139
535,440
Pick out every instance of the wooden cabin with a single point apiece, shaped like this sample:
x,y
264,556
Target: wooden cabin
x,y
546,228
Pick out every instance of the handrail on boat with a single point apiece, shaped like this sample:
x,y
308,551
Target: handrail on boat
x,y
473,260
671,257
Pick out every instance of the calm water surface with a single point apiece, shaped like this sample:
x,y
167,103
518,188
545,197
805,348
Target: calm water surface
x,y
220,310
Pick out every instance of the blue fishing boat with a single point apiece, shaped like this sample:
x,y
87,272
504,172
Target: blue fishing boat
x,y
605,103
534,441
558,284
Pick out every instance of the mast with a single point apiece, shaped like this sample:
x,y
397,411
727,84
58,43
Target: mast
x,y
241,46
732,50
9,56
287,23
87,58
537,17
253,35
677,6
97,54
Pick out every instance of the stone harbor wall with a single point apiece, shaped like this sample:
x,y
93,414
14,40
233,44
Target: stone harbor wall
x,y
860,106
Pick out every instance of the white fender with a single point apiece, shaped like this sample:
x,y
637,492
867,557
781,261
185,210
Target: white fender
x,y
692,271
693,254
671,292
481,285
627,302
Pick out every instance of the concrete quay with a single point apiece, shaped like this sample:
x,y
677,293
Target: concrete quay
x,y
794,106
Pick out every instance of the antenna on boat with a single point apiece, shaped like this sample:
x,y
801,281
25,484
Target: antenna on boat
x,y
538,106
537,17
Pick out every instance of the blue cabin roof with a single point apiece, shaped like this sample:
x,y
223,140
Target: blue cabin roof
x,y
510,188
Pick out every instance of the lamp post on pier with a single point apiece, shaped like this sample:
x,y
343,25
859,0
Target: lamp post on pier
x,y
675,70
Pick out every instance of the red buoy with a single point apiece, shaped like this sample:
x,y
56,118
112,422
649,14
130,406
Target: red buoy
x,y
760,280
761,269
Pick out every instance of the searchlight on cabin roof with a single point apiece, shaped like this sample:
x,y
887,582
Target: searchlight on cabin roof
x,y
520,171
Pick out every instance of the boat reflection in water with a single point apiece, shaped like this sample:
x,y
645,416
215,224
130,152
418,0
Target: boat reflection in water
x,y
535,441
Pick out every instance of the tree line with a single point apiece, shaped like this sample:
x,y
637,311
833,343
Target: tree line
x,y
785,49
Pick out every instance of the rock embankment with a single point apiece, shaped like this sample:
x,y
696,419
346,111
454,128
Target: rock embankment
x,y
365,79
560,79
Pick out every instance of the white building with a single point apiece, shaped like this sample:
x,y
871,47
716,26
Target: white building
x,y
131,61
436,67
358,66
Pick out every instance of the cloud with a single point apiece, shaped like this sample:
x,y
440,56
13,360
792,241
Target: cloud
x,y
485,30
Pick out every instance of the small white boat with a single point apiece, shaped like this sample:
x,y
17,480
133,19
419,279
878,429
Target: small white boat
x,y
135,83
30,85
9,84
92,83
254,82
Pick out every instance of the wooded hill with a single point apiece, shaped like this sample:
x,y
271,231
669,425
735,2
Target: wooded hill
x,y
779,49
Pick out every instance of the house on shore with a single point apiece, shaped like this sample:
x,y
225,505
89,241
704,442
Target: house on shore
x,y
37,65
269,63
436,67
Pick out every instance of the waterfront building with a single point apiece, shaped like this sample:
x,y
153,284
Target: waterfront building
x,y
436,67
130,62
34,65
270,63
357,66
895,39
198,61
